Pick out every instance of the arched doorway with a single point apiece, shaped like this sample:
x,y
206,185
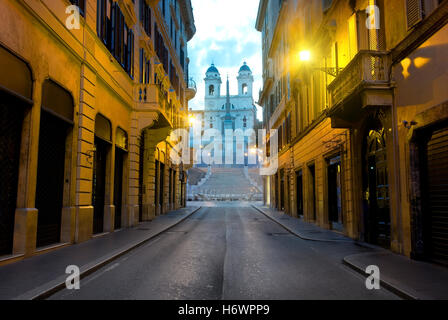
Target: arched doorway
x,y
103,133
15,97
376,185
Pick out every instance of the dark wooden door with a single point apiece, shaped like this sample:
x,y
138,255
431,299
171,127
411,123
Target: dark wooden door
x,y
377,189
10,136
50,178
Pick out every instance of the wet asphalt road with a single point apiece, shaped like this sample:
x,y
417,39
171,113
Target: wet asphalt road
x,y
229,252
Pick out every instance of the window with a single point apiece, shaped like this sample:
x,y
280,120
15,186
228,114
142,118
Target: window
x,y
182,59
244,89
145,16
174,78
326,4
160,48
211,90
145,68
288,128
414,12
115,34
245,122
417,10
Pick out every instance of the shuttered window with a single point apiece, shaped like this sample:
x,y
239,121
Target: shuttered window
x,y
414,12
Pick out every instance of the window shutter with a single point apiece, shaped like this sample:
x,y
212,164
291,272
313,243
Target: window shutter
x,y
414,12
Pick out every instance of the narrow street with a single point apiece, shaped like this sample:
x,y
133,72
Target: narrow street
x,y
228,251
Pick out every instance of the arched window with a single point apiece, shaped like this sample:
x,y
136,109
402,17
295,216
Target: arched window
x,y
245,122
211,90
244,89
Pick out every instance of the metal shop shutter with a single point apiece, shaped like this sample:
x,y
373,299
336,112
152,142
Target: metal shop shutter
x,y
438,194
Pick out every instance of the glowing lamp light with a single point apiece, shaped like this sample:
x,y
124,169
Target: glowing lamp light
x,y
305,55
191,120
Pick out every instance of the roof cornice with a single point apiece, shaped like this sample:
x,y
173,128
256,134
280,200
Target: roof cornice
x,y
261,13
186,11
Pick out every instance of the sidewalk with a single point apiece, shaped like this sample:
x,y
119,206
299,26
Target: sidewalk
x,y
301,229
39,276
407,278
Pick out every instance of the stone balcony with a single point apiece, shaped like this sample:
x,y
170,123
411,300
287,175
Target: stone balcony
x,y
191,89
364,82
153,98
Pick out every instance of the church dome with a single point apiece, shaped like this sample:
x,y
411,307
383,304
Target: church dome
x,y
212,69
245,67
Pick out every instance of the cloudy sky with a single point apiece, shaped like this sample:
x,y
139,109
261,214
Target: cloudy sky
x,y
227,37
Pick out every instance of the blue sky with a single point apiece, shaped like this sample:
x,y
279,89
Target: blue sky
x,y
225,35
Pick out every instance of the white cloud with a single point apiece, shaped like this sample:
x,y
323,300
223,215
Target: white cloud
x,y
225,35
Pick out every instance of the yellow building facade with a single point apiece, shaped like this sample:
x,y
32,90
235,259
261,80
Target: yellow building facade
x,y
87,112
357,92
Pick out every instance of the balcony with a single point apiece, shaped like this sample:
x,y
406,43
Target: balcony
x,y
153,98
365,82
191,89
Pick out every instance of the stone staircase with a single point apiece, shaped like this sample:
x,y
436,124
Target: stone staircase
x,y
226,184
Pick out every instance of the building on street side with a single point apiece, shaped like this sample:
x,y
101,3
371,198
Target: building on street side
x,y
87,114
357,92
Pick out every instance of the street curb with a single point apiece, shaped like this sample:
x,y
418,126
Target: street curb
x,y
297,234
392,288
61,285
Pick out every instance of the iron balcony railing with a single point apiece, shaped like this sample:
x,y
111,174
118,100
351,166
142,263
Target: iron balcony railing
x,y
191,84
368,69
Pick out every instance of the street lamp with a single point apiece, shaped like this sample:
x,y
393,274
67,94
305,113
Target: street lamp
x,y
191,120
305,55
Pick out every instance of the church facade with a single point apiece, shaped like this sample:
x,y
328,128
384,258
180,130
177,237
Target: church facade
x,y
223,111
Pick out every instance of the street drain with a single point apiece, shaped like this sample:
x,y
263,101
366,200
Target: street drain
x,y
142,229
278,234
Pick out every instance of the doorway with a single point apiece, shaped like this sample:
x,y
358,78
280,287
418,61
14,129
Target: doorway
x,y
50,178
162,187
120,155
99,184
10,138
299,193
335,217
312,190
282,190
141,176
376,187
435,194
